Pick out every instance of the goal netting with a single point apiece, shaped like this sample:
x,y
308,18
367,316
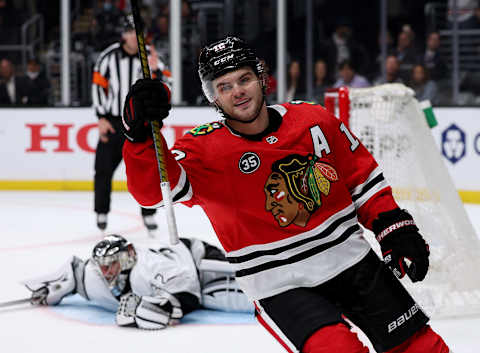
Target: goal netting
x,y
390,123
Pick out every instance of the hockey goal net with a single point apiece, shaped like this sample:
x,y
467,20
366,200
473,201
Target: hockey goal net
x,y
389,122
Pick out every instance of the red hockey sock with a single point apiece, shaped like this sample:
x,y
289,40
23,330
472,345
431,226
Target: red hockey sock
x,y
423,341
334,338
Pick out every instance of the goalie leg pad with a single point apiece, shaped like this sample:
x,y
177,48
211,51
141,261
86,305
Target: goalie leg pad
x,y
220,291
224,294
336,338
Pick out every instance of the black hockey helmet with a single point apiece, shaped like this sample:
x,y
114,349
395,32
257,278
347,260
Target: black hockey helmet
x,y
128,24
223,56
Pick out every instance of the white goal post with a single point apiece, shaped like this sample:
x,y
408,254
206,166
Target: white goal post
x,y
390,123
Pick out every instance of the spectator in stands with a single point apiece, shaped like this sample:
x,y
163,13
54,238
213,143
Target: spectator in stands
x,y
411,35
271,91
321,81
391,72
406,54
38,85
122,5
348,76
190,50
160,36
4,98
294,90
190,33
475,22
190,36
422,85
341,46
477,16
432,59
379,60
108,20
265,41
466,17
15,89
146,13
159,31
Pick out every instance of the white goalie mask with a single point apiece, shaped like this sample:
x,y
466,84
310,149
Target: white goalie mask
x,y
114,257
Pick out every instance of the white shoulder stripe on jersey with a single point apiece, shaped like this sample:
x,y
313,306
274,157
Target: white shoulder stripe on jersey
x,y
287,241
178,189
359,188
365,197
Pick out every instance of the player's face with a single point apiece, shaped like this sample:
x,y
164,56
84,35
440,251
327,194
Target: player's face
x,y
130,41
239,94
111,271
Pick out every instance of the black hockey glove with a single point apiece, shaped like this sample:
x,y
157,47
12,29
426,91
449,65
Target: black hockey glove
x,y
399,240
147,100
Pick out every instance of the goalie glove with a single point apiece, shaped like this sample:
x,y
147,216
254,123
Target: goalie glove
x,y
125,315
52,288
149,313
147,100
399,240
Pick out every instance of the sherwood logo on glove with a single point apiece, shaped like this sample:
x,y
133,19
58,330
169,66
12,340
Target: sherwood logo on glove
x,y
393,227
403,318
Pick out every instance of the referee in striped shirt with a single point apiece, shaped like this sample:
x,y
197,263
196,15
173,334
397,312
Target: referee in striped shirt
x,y
117,68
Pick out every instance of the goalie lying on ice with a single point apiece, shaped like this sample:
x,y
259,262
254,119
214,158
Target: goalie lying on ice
x,y
147,288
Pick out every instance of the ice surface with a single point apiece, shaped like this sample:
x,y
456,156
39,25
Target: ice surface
x,y
39,230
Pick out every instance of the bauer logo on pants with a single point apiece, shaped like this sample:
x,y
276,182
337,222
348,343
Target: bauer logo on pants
x,y
403,318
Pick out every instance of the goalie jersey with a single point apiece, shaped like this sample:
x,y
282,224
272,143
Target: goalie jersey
x,y
171,269
192,267
285,205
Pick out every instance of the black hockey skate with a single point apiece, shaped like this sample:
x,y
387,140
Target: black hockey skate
x,y
150,224
102,221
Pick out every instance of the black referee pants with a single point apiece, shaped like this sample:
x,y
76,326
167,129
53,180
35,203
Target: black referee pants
x,y
107,158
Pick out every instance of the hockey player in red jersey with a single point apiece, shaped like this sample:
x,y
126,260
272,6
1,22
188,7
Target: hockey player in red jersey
x,y
285,188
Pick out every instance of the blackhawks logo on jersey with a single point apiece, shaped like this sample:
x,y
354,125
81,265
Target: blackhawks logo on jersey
x,y
294,189
205,129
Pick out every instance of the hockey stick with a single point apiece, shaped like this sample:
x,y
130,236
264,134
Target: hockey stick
x,y
159,148
15,302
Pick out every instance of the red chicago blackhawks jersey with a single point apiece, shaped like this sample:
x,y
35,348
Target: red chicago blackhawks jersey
x,y
285,207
